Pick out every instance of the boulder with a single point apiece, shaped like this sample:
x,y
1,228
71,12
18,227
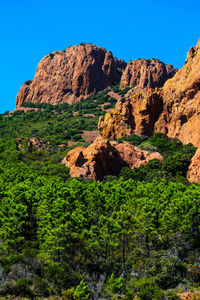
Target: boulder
x,y
173,109
181,102
148,73
103,158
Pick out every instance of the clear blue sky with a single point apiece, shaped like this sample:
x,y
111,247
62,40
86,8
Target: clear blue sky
x,y
130,29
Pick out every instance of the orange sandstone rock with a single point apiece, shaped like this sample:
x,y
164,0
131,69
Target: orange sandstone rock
x,y
136,114
148,73
173,109
193,174
181,102
103,158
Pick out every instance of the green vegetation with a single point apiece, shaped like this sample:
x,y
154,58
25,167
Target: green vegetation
x,y
56,124
122,92
137,234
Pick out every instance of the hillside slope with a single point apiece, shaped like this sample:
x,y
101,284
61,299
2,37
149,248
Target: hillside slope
x,y
81,71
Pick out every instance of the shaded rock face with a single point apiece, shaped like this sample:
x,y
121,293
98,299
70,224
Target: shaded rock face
x,y
137,114
70,75
173,110
103,158
148,73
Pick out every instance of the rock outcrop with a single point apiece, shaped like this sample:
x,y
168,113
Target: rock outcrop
x,y
150,73
173,109
181,102
193,174
103,158
137,114
72,74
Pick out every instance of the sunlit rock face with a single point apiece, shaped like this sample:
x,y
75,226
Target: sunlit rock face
x,y
71,75
173,109
148,73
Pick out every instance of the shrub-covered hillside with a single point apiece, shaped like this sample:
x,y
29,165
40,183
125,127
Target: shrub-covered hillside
x,y
136,234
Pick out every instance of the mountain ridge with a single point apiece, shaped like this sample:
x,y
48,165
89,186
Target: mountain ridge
x,y
172,110
81,71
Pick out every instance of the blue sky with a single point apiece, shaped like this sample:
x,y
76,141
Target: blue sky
x,y
130,29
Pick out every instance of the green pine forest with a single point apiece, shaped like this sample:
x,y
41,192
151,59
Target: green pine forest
x,y
137,234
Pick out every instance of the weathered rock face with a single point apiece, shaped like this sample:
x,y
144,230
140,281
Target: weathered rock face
x,y
148,73
189,295
137,114
181,102
103,158
173,110
193,174
70,75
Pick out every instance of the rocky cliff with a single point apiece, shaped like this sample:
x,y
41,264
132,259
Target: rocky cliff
x,y
193,174
148,73
136,114
173,109
150,106
181,102
72,74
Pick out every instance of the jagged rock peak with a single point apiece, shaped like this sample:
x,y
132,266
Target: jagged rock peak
x,y
181,102
68,76
173,110
148,73
193,174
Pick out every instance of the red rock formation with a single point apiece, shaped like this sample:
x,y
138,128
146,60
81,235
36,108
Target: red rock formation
x,y
133,156
181,101
137,114
173,110
193,174
103,158
72,74
148,73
